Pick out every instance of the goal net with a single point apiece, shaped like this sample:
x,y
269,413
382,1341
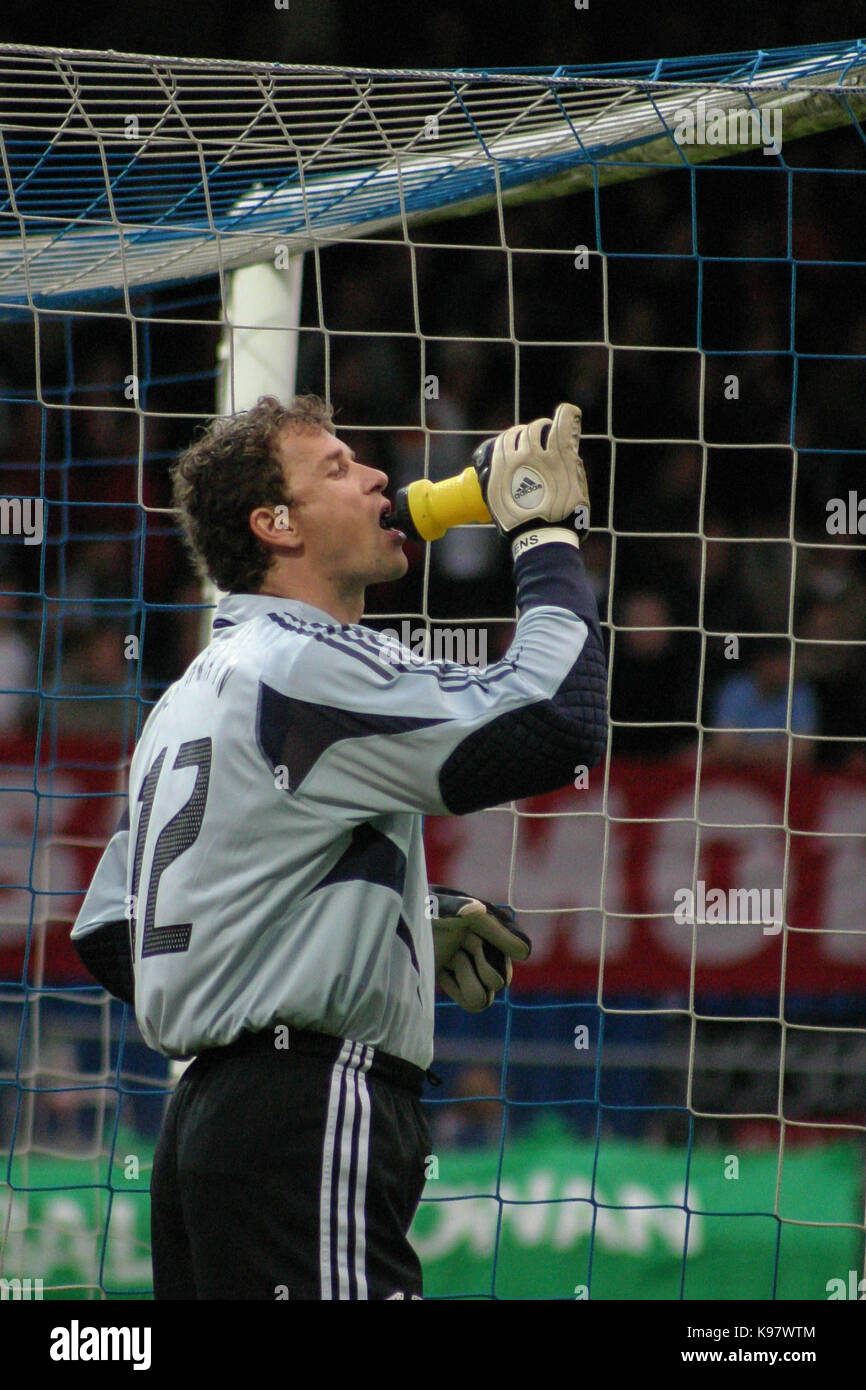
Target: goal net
x,y
668,1105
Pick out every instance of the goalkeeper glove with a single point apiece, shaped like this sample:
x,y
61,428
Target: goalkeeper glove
x,y
532,478
474,943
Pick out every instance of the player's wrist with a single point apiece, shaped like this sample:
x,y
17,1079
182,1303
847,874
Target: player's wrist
x,y
554,574
539,535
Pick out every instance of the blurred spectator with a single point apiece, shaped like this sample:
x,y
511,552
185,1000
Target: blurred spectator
x,y
766,572
832,659
97,572
833,573
831,638
758,699
653,680
96,692
728,605
474,1119
17,667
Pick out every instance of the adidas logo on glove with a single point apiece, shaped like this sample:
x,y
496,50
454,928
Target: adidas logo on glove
x,y
528,484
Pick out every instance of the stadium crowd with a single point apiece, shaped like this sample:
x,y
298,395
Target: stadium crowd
x,y
707,561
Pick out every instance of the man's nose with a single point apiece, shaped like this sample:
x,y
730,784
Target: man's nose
x,y
380,479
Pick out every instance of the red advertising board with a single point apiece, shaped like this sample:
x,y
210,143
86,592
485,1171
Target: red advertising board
x,y
598,875
56,814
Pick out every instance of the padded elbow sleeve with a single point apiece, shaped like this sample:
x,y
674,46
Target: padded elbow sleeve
x,y
535,749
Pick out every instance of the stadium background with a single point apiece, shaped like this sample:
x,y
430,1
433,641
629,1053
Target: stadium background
x,y
628,1083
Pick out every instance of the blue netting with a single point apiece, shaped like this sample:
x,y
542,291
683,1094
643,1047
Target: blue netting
x,y
201,179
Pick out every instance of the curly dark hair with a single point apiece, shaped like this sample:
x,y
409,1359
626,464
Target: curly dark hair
x,y
229,470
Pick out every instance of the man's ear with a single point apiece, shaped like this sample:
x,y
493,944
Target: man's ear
x,y
274,526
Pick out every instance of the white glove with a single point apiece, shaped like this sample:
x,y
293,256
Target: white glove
x,y
474,943
532,475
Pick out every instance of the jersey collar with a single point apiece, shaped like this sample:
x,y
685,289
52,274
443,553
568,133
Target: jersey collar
x,y
241,608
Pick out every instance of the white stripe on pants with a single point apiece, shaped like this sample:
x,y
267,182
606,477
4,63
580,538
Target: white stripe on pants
x,y
348,1084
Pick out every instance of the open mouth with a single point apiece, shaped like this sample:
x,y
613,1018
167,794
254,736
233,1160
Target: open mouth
x,y
388,522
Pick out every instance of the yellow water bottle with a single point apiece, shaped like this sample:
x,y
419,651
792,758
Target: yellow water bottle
x,y
424,511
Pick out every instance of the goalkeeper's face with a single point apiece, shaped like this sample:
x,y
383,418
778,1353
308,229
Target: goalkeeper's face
x,y
335,517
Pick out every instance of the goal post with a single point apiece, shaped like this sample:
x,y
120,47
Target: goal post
x,y
258,351
441,253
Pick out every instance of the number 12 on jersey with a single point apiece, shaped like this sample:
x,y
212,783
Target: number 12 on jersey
x,y
173,840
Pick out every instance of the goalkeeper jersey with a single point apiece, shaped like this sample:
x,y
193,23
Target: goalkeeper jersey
x,y
271,864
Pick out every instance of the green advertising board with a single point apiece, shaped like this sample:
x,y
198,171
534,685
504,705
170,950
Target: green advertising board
x,y
638,1222
558,1221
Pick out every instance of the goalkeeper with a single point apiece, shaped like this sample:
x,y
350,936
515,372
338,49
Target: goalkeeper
x,y
264,900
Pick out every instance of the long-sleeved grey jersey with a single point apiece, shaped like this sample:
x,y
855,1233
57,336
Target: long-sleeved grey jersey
x,y
272,865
